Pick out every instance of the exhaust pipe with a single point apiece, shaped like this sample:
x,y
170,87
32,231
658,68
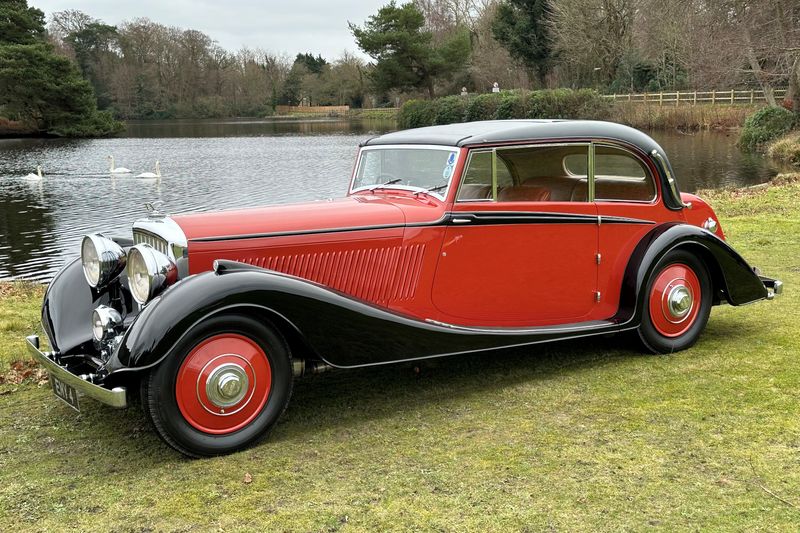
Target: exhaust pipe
x,y
301,367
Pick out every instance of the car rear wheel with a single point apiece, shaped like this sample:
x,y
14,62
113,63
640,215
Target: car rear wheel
x,y
677,303
222,388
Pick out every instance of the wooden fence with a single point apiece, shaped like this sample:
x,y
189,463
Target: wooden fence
x,y
327,110
732,96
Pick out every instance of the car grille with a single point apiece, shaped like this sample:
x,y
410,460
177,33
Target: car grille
x,y
142,237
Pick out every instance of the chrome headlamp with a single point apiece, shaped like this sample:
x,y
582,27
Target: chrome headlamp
x,y
105,322
102,259
149,272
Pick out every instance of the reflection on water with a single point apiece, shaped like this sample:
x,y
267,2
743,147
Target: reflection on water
x,y
209,165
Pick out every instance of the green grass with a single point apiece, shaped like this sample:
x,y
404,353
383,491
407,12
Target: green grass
x,y
570,436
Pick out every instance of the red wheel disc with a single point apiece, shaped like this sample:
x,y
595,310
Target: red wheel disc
x,y
675,300
223,383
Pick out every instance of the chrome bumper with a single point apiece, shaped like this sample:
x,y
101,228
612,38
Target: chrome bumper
x,y
116,397
774,286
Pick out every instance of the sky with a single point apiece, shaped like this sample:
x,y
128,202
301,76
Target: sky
x,y
290,27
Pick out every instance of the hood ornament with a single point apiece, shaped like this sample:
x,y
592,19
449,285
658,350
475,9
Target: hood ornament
x,y
152,209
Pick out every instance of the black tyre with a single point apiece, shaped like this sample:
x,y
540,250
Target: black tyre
x,y
222,388
676,303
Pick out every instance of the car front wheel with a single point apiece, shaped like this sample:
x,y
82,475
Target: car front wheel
x,y
222,388
677,303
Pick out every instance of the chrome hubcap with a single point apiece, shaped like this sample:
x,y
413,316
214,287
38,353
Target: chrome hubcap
x,y
227,385
679,301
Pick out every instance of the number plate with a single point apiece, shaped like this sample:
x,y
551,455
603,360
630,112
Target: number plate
x,y
65,392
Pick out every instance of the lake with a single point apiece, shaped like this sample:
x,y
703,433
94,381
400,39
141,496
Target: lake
x,y
208,165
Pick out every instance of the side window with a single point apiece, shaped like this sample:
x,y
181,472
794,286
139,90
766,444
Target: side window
x,y
542,175
477,183
620,176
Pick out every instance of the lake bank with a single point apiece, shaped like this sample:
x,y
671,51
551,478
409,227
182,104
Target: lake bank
x,y
702,439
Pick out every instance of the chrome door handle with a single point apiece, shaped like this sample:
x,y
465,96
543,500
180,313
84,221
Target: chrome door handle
x,y
461,221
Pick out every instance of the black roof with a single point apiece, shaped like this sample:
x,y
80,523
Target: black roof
x,y
498,131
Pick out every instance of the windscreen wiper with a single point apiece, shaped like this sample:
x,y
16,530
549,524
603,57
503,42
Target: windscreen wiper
x,y
432,189
384,184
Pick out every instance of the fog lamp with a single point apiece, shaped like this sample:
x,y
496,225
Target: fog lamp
x,y
105,321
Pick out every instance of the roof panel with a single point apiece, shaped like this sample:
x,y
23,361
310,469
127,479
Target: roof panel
x,y
500,131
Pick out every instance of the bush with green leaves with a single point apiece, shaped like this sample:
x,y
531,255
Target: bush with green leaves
x,y
765,125
483,107
449,109
416,114
556,103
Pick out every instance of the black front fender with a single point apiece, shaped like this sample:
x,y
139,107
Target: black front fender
x,y
68,304
734,279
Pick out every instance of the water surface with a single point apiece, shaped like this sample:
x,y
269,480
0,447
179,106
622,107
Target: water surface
x,y
208,165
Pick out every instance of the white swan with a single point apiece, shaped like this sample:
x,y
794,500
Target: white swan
x,y
33,176
150,174
117,170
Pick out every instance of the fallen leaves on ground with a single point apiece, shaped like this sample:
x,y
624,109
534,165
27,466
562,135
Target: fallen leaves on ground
x,y
21,370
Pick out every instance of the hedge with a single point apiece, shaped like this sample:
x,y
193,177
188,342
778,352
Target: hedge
x,y
556,103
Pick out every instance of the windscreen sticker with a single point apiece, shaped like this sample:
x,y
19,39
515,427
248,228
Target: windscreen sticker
x,y
448,169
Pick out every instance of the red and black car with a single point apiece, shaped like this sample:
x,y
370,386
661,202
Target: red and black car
x,y
451,240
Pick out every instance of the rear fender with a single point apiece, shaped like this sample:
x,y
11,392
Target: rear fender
x,y
734,279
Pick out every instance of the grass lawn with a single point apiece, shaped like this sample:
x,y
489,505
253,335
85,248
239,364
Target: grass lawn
x,y
571,436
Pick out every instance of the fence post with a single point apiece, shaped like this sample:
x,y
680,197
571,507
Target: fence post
x,y
694,98
751,96
660,98
677,98
731,95
713,96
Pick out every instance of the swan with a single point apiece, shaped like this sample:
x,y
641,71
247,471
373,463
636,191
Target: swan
x,y
150,174
36,176
117,170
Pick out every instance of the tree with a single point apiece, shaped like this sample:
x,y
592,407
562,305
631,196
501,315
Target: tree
x,y
39,87
594,42
405,55
524,28
20,24
93,46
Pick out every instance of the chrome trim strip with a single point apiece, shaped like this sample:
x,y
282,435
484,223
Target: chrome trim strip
x,y
590,173
498,217
116,397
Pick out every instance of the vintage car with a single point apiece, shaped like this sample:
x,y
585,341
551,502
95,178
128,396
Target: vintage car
x,y
452,240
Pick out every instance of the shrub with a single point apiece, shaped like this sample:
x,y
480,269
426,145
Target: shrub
x,y
512,105
567,103
765,125
450,109
483,107
557,103
416,113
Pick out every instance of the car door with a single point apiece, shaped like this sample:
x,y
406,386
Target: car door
x,y
521,245
627,200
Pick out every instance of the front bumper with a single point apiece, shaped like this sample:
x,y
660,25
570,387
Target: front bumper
x,y
116,397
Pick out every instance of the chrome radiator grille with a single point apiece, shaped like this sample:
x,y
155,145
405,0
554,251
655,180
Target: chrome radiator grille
x,y
142,237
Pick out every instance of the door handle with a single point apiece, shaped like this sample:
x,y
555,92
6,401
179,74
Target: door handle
x,y
461,221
